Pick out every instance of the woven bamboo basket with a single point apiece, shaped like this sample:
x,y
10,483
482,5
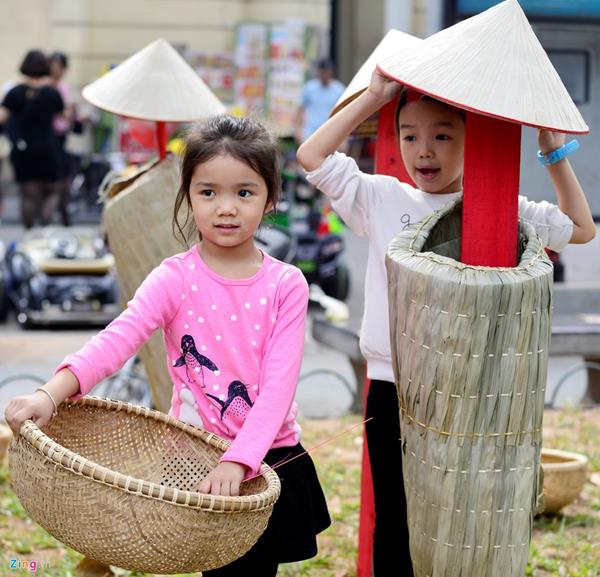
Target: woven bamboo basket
x,y
565,474
117,483
470,351
138,225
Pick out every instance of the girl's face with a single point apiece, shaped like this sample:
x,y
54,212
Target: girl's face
x,y
229,200
432,138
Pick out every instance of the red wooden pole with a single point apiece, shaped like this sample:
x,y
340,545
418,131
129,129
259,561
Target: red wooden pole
x,y
161,139
366,522
387,157
491,192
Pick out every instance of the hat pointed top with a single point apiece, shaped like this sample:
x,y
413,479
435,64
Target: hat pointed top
x,y
393,41
155,83
493,64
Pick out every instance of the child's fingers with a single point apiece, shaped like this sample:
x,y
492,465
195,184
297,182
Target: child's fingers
x,y
234,489
22,408
204,486
216,487
225,487
17,419
40,421
10,416
11,422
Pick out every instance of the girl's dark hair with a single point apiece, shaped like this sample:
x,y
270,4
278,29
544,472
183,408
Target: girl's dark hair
x,y
242,138
59,57
35,65
404,99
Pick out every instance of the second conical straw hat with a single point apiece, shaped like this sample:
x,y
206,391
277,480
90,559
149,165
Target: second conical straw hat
x,y
155,83
393,41
493,64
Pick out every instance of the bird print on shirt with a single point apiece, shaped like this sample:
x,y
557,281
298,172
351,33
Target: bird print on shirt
x,y
194,362
238,402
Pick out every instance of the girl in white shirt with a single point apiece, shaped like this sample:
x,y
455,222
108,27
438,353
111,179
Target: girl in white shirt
x,y
431,138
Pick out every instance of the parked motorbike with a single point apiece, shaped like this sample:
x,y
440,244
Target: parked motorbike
x,y
56,276
311,233
317,255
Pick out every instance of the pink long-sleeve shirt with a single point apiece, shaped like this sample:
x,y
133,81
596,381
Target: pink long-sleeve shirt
x,y
234,349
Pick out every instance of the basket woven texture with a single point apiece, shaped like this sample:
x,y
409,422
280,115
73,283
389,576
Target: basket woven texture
x,y
565,474
138,225
116,483
470,353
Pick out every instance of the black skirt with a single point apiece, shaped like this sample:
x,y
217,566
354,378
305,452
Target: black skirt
x,y
35,163
299,514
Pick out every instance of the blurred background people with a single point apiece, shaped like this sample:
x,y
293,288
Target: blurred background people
x,y
62,124
4,152
318,98
28,110
4,145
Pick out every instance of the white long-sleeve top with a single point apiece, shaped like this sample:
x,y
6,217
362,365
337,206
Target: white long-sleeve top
x,y
377,207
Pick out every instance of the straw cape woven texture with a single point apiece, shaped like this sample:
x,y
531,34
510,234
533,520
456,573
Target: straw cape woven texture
x,y
470,352
155,83
116,483
138,224
491,63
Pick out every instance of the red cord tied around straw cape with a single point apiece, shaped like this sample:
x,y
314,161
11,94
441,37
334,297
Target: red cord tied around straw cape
x,y
317,446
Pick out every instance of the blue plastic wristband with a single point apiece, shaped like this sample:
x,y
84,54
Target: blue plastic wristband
x,y
558,154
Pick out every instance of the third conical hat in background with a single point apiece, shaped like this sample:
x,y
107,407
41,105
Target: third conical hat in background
x,y
391,43
492,64
155,83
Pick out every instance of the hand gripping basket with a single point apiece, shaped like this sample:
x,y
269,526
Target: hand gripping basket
x,y
116,483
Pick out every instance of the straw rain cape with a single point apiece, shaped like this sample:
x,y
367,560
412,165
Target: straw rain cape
x,y
470,347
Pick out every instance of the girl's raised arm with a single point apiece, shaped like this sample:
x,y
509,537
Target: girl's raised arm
x,y
331,135
570,195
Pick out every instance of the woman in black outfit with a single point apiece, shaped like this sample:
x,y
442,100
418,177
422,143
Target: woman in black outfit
x,y
28,110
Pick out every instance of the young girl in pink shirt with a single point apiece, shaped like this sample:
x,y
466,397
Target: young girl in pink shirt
x,y
233,325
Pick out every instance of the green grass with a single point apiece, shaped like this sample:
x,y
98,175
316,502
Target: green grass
x,y
565,545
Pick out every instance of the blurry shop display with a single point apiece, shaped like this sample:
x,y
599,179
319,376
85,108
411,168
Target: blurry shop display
x,y
217,71
251,65
271,63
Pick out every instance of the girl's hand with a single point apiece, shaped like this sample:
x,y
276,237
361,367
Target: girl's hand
x,y
382,88
331,136
38,407
224,479
549,140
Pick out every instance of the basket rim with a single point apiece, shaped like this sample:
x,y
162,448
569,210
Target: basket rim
x,y
571,461
71,461
411,240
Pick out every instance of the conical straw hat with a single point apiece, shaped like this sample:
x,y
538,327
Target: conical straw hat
x,y
155,83
492,64
393,41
